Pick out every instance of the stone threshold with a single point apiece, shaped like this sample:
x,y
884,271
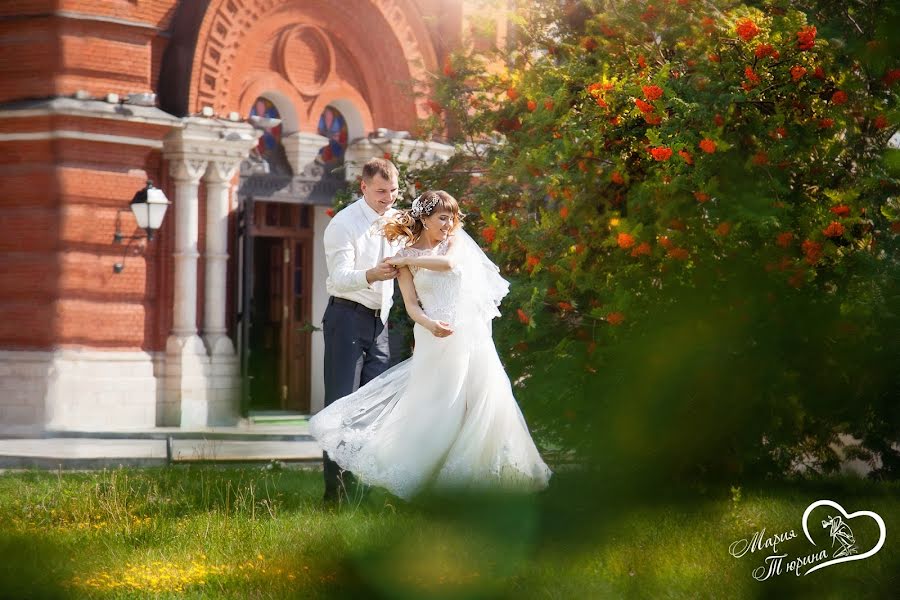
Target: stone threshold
x,y
295,430
64,451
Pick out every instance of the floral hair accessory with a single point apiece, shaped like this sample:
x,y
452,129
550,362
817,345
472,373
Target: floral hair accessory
x,y
423,206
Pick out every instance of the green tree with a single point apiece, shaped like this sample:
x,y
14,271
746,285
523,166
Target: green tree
x,y
698,210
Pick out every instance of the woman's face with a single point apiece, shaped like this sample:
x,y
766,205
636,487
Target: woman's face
x,y
439,224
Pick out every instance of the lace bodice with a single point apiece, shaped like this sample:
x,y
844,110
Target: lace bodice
x,y
438,291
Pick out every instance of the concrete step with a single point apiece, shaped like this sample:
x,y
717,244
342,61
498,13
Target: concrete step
x,y
113,449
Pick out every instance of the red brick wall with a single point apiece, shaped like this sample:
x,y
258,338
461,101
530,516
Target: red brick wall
x,y
97,307
28,59
17,8
60,199
152,12
56,48
29,221
103,57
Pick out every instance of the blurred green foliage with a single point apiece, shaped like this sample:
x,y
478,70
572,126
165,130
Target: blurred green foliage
x,y
699,213
251,532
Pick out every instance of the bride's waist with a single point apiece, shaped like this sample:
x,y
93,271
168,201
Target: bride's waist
x,y
462,327
441,313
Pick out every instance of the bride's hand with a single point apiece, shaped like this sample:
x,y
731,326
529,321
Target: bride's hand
x,y
441,329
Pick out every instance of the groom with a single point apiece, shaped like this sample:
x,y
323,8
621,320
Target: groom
x,y
361,288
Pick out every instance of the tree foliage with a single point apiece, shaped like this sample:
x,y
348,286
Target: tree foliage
x,y
698,210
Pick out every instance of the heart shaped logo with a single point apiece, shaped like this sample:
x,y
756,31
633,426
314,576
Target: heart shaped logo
x,y
841,534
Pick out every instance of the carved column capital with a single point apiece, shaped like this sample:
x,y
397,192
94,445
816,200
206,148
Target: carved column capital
x,y
302,149
221,170
187,170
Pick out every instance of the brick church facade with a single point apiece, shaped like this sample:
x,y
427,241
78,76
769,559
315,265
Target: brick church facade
x,y
249,115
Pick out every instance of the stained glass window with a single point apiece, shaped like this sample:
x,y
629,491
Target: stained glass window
x,y
333,126
264,109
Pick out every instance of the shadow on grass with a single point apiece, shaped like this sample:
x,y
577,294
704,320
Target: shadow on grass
x,y
587,536
25,572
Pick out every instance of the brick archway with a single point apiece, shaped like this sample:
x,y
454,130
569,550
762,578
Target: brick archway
x,y
285,99
359,120
373,46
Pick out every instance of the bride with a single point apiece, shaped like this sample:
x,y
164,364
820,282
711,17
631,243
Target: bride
x,y
446,417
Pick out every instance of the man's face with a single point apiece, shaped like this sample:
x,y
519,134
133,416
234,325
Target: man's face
x,y
380,193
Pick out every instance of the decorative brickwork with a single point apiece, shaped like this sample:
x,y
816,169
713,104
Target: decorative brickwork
x,y
85,346
386,38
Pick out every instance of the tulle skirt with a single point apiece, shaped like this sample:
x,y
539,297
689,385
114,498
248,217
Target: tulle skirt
x,y
445,418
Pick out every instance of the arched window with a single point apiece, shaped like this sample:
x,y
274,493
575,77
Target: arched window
x,y
265,116
264,109
333,125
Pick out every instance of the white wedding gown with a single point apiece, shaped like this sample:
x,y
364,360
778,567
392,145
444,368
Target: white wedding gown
x,y
446,417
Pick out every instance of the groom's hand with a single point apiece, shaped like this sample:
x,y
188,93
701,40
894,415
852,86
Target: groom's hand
x,y
383,272
398,261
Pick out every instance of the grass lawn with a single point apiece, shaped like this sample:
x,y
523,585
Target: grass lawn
x,y
207,532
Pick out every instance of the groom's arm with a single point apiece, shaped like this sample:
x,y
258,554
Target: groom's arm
x,y
340,256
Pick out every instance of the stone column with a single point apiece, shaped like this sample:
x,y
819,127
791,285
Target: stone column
x,y
302,148
223,382
186,172
202,376
218,196
186,360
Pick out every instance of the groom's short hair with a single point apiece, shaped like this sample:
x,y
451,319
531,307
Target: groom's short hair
x,y
379,166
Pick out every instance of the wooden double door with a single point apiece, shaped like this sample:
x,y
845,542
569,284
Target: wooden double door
x,y
277,300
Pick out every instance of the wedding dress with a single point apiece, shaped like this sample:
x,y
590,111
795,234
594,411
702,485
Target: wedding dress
x,y
446,417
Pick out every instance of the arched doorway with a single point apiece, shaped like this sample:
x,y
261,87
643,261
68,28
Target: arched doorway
x,y
276,246
278,255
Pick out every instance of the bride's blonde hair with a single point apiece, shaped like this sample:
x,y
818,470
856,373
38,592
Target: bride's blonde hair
x,y
405,226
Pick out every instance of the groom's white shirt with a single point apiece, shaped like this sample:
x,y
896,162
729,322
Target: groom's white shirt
x,y
354,244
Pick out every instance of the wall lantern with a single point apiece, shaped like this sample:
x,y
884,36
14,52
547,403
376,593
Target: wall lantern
x,y
149,207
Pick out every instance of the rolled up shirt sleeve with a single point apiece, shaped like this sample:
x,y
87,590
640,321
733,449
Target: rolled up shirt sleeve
x,y
340,256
